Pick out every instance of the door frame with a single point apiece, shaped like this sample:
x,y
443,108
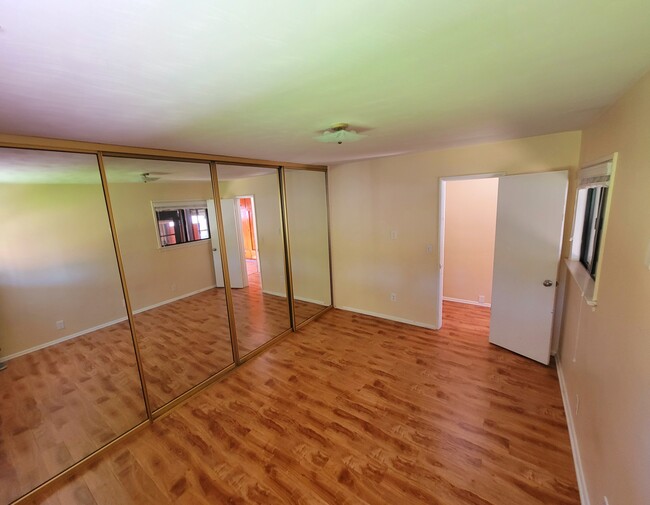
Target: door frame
x,y
257,242
442,199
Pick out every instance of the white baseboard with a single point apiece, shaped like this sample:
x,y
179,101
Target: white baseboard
x,y
175,299
575,449
100,326
390,318
274,293
301,298
468,302
311,300
62,339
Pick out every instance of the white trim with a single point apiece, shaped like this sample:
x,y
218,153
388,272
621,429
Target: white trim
x,y
311,300
301,298
489,175
257,242
575,449
468,302
585,283
100,326
442,198
390,318
596,173
442,217
175,299
62,339
274,293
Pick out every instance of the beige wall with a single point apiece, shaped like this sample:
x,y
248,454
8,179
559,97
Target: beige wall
x,y
470,228
268,218
605,352
156,274
57,263
307,212
370,198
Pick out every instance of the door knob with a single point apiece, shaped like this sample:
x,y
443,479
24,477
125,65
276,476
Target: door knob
x,y
214,250
548,283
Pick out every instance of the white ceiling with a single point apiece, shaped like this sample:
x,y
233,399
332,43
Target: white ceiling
x,y
259,79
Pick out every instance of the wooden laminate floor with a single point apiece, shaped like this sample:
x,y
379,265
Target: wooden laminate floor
x,y
61,403
355,410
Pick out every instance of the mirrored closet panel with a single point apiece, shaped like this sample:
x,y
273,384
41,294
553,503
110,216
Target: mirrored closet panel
x,y
306,196
71,381
252,222
167,229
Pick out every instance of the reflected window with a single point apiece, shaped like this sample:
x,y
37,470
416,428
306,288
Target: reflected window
x,y
181,224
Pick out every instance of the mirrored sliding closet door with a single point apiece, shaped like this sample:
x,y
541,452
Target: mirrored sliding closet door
x,y
71,381
168,234
306,196
252,222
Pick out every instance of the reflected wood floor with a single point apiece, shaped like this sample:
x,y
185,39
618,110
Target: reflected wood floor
x,y
355,410
59,404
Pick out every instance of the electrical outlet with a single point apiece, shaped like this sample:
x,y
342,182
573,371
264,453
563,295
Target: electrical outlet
x,y
429,248
173,286
60,324
577,403
481,298
393,297
393,234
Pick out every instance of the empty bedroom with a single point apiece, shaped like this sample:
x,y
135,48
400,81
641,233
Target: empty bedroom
x,y
325,252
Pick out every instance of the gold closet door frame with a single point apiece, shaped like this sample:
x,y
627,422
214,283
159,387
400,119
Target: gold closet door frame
x,y
287,247
78,146
285,222
101,150
168,406
287,259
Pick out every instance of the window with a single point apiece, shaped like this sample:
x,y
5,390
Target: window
x,y
594,187
180,224
592,228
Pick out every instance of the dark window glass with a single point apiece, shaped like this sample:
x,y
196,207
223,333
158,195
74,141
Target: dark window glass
x,y
179,226
592,228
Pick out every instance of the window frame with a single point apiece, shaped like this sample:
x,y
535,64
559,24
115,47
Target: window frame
x,y
591,213
592,228
185,210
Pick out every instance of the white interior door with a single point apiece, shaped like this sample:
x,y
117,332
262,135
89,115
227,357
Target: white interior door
x,y
530,219
214,238
232,229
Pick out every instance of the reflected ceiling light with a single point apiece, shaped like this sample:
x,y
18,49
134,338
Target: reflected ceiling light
x,y
339,133
146,177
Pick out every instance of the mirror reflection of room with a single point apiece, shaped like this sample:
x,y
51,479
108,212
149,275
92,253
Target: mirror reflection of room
x,y
167,230
71,382
306,195
249,233
252,222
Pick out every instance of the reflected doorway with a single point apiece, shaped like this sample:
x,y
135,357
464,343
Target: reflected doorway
x,y
249,233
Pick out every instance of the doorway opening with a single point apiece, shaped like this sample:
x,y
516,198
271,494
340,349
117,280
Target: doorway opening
x,y
249,234
467,232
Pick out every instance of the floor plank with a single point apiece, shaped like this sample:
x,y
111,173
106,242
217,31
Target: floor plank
x,y
353,410
61,403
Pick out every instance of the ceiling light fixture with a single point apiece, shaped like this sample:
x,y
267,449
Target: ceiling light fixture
x,y
339,133
146,177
